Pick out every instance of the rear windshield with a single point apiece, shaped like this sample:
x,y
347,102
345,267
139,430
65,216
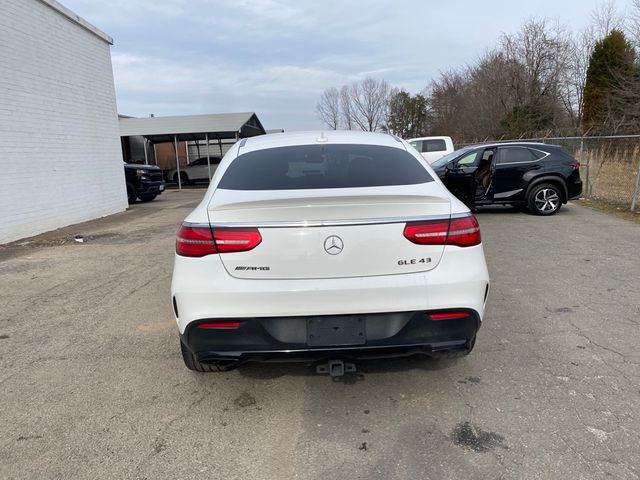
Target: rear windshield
x,y
323,166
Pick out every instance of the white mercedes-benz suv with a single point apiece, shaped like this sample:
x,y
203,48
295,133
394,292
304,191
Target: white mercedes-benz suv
x,y
326,246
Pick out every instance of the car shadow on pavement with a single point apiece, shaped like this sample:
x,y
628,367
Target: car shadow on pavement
x,y
271,370
502,209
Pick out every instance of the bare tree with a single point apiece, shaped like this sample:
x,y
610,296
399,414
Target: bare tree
x,y
606,17
328,108
633,23
346,107
574,77
370,102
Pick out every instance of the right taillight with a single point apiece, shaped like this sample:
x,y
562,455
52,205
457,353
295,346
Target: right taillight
x,y
198,241
461,232
430,232
464,232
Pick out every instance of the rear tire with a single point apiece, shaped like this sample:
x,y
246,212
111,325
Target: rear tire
x,y
453,354
184,178
131,193
545,199
192,364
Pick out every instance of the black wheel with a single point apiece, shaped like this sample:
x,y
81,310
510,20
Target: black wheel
x,y
193,364
131,193
184,178
545,199
147,198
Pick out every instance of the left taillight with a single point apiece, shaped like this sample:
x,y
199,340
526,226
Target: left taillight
x,y
199,241
195,242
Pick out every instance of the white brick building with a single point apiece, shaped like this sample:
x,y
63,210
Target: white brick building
x,y
60,155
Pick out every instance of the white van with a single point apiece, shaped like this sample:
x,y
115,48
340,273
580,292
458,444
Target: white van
x,y
432,148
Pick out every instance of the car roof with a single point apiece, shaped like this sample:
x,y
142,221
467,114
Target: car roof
x,y
435,137
319,137
513,144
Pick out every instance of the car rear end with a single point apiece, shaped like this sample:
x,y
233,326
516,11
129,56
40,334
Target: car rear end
x,y
572,179
344,247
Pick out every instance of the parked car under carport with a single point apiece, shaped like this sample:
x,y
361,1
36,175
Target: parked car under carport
x,y
197,171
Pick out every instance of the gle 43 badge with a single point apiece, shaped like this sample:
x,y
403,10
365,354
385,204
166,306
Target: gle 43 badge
x,y
414,261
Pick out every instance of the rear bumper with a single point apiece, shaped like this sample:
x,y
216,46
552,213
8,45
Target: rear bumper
x,y
574,185
202,289
291,338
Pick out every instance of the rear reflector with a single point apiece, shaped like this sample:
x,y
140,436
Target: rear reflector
x,y
461,231
447,315
201,241
219,325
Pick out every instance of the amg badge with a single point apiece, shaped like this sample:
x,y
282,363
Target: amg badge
x,y
253,268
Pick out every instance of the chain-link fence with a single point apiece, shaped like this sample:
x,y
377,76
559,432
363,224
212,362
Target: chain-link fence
x,y
610,166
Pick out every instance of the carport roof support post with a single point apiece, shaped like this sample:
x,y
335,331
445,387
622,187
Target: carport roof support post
x,y
206,135
175,144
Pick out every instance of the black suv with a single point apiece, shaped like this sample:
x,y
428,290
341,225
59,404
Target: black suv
x,y
143,181
536,176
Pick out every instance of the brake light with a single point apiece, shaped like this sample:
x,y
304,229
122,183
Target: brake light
x,y
461,232
575,165
195,242
201,241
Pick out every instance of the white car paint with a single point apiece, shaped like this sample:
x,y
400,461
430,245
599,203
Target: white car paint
x,y
197,170
432,148
365,278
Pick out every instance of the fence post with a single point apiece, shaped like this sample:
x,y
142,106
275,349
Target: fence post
x,y
636,190
581,160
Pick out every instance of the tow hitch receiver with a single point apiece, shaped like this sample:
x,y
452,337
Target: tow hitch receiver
x,y
335,368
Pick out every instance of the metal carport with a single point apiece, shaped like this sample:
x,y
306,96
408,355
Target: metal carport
x,y
218,126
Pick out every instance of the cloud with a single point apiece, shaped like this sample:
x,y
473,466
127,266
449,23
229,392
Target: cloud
x,y
275,57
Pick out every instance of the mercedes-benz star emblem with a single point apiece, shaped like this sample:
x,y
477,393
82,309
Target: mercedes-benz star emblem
x,y
333,245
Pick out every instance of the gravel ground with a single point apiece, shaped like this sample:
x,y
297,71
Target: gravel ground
x,y
93,386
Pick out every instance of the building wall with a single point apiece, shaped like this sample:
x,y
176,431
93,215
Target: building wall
x,y
165,155
60,155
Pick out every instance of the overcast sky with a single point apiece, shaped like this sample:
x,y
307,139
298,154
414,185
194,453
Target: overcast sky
x,y
275,57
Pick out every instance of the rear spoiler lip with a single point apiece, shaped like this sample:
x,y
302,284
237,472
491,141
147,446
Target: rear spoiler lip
x,y
326,223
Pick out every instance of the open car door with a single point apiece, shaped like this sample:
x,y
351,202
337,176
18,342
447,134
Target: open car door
x,y
460,176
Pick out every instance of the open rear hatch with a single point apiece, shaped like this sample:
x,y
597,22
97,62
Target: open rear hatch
x,y
326,234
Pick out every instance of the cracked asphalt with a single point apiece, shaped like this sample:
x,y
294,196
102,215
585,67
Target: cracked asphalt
x,y
92,384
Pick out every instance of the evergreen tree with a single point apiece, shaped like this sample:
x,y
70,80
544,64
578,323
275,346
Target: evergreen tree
x,y
611,69
407,115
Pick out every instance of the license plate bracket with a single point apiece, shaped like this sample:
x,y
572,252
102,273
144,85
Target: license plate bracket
x,y
336,331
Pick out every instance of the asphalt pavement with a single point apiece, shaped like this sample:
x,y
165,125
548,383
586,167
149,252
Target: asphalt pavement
x,y
92,384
